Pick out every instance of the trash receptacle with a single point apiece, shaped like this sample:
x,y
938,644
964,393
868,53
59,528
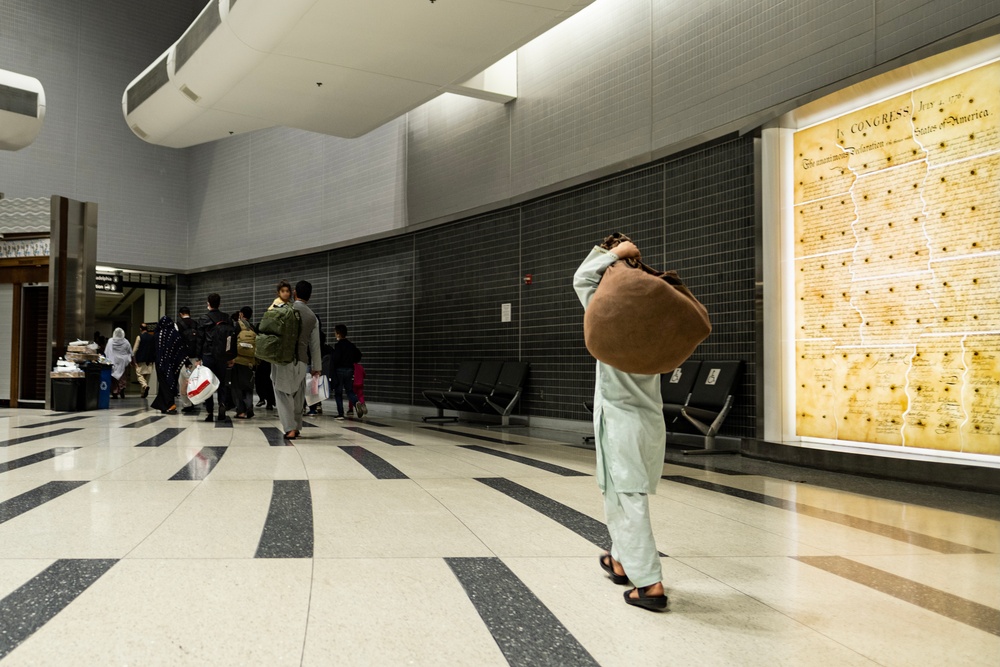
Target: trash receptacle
x,y
67,394
91,386
104,397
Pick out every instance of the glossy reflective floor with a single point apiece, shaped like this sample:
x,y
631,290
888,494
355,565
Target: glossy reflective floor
x,y
128,538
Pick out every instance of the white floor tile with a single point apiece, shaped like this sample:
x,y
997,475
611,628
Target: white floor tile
x,y
181,612
878,626
409,611
386,519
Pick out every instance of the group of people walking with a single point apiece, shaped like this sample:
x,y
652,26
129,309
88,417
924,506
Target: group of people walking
x,y
224,344
122,355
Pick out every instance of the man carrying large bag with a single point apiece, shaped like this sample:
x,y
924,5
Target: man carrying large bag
x,y
291,355
635,331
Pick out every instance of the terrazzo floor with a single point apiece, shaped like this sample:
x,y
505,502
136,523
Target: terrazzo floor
x,y
131,538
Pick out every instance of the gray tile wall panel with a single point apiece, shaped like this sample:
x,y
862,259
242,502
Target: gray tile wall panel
x,y
286,190
365,183
583,95
715,62
463,272
286,176
457,156
371,292
708,231
219,201
85,150
557,233
905,25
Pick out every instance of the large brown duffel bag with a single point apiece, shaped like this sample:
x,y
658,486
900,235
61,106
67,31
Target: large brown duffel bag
x,y
643,321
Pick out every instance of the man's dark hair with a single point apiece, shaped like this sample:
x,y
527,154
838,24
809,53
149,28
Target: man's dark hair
x,y
183,310
143,327
283,283
303,290
214,300
247,312
341,330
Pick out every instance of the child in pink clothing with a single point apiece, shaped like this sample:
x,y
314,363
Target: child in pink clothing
x,y
359,387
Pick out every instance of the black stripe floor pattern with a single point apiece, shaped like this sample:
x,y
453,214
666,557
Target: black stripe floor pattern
x,y
35,458
288,530
32,605
526,631
585,526
57,421
374,463
473,436
201,465
38,436
161,438
534,463
275,436
37,496
143,422
375,435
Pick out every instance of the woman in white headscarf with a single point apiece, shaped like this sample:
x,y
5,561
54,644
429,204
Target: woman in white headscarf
x,y
119,354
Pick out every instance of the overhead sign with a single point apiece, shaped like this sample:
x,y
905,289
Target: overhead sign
x,y
108,282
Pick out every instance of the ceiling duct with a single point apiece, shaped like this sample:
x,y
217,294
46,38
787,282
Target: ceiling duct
x,y
22,110
330,66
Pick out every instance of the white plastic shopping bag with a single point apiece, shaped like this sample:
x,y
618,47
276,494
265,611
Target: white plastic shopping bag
x,y
317,389
201,385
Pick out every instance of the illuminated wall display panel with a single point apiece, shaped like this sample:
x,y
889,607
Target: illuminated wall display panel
x,y
894,234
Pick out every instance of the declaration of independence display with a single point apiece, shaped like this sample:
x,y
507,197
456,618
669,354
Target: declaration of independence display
x,y
897,270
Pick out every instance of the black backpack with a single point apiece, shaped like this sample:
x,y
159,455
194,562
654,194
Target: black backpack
x,y
220,340
189,331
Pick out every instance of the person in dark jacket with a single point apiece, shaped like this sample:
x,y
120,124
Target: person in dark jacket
x,y
345,355
144,356
208,324
188,328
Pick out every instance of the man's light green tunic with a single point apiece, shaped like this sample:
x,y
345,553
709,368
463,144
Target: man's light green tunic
x,y
629,430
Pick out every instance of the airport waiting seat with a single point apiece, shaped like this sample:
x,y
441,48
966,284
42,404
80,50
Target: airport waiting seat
x,y
711,400
675,390
482,385
505,394
462,382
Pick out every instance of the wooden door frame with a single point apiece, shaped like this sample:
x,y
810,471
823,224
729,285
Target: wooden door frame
x,y
17,272
15,347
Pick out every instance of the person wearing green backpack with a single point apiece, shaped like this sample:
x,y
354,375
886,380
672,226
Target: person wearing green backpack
x,y
289,378
241,378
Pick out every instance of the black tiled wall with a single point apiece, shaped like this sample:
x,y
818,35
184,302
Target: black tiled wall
x,y
418,304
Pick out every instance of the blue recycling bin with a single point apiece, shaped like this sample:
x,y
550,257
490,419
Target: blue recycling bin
x,y
104,395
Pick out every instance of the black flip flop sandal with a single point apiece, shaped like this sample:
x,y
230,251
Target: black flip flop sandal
x,y
606,565
650,602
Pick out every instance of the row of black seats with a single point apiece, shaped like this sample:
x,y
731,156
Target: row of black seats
x,y
484,387
699,394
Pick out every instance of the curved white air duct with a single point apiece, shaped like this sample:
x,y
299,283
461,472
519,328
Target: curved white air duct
x,y
331,66
22,110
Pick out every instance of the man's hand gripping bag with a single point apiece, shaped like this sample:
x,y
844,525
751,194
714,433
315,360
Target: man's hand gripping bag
x,y
643,321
